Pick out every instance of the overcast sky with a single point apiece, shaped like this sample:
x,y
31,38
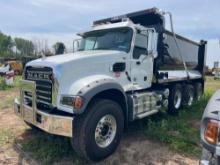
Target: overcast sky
x,y
61,19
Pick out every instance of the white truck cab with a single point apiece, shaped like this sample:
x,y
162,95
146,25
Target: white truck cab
x,y
124,68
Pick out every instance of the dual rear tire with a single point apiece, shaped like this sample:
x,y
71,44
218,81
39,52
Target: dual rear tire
x,y
183,95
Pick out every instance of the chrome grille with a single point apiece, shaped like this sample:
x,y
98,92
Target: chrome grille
x,y
43,79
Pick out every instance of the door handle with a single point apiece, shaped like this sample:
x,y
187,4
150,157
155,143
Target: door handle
x,y
119,67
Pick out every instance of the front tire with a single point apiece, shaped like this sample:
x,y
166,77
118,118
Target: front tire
x,y
97,133
175,99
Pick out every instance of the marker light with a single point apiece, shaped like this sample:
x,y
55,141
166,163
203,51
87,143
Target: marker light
x,y
78,102
211,132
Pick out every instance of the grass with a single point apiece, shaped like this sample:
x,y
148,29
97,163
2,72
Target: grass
x,y
5,136
49,149
8,92
180,133
4,86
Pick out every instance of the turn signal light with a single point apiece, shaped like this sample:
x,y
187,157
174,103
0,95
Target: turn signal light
x,y
78,102
211,132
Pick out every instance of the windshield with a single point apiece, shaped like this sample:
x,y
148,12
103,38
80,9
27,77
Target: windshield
x,y
109,39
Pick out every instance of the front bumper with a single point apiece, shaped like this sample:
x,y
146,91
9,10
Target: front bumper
x,y
50,123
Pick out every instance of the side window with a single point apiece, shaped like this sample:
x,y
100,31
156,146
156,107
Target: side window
x,y
140,46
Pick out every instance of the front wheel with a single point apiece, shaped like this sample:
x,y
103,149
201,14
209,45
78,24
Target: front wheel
x,y
97,133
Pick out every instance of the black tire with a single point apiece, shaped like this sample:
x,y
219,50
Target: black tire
x,y
85,126
188,95
198,91
173,106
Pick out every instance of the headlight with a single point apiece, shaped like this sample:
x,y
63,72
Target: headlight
x,y
75,102
211,132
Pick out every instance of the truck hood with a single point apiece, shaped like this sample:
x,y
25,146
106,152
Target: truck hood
x,y
58,60
212,109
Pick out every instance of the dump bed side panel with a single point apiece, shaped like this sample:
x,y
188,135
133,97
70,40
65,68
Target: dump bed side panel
x,y
172,58
169,65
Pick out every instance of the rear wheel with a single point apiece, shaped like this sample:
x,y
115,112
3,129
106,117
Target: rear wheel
x,y
175,99
97,133
188,95
198,91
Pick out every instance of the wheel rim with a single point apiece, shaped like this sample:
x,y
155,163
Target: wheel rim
x,y
177,99
105,131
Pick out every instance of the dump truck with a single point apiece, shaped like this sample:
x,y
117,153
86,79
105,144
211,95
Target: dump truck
x,y
123,69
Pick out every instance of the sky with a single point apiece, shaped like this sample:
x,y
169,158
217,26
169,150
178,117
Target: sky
x,y
60,20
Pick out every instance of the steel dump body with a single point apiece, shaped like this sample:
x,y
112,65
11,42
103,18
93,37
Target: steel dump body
x,y
169,57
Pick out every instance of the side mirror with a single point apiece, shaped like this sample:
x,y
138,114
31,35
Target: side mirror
x,y
152,42
76,44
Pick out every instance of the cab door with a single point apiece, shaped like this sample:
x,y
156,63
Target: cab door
x,y
142,61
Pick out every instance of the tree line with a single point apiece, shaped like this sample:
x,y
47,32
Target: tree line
x,y
20,47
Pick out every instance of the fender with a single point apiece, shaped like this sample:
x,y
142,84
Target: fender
x,y
88,92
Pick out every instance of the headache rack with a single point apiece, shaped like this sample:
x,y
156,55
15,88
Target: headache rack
x,y
149,17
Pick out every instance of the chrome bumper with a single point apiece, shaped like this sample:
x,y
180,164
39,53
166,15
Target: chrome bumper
x,y
51,123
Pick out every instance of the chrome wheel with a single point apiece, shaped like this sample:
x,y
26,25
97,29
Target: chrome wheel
x,y
177,99
105,131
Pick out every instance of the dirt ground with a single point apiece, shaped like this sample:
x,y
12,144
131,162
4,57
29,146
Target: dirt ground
x,y
135,148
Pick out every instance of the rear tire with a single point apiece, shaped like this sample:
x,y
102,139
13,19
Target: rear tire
x,y
175,99
188,95
198,91
97,133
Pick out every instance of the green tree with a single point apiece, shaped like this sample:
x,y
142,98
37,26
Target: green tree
x,y
6,45
59,48
24,47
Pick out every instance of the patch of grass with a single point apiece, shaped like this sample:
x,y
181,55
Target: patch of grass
x,y
211,84
181,132
50,149
4,86
5,136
